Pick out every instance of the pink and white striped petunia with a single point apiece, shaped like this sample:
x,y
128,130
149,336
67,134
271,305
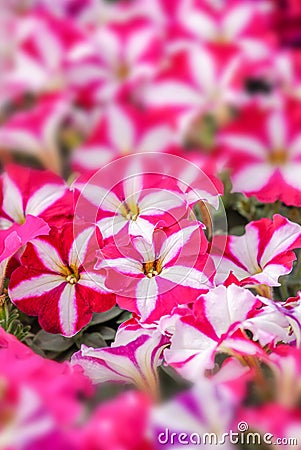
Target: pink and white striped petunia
x,y
268,144
151,278
56,281
132,358
197,80
117,59
25,191
276,322
125,198
215,325
35,132
261,255
241,24
124,130
186,419
36,65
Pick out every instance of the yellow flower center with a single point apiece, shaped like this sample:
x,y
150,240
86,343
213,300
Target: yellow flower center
x,y
278,157
130,210
122,71
71,274
152,268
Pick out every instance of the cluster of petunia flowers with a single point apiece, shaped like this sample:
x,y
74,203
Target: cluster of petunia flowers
x,y
130,111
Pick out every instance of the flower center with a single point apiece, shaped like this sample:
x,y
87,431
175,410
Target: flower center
x,y
71,275
278,157
130,210
122,71
152,268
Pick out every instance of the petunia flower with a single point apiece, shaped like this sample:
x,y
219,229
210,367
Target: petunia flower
x,y
198,80
261,255
116,60
124,130
132,358
151,278
215,325
56,281
35,132
192,418
16,237
127,199
241,24
12,239
268,144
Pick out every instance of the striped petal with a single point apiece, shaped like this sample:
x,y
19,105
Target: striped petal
x,y
43,198
68,310
35,287
48,255
12,200
147,296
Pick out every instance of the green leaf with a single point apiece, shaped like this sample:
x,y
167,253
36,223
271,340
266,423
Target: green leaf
x,y
106,316
107,333
10,320
126,315
238,230
94,340
52,342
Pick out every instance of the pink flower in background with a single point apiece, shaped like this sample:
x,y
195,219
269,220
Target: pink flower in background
x,y
242,24
121,423
57,283
197,80
35,132
117,60
285,362
123,130
132,358
261,255
39,398
267,143
25,191
151,278
276,420
286,73
39,65
195,176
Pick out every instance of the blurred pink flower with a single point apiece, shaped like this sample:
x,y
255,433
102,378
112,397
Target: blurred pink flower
x,y
120,424
267,143
39,398
124,130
